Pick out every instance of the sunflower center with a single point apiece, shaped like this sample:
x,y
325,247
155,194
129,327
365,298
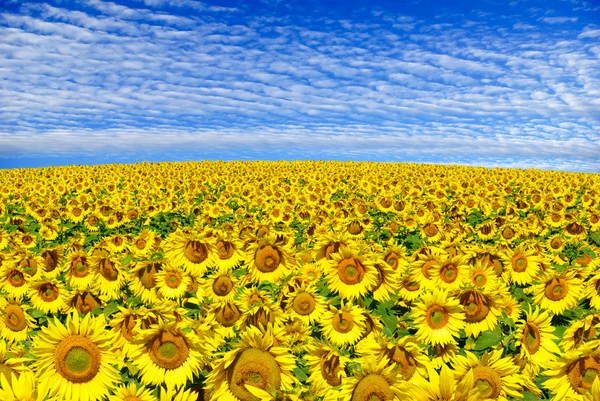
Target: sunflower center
x,y
354,228
411,285
531,338
15,318
556,289
108,270
508,233
77,359
255,367
147,275
222,286
16,278
48,292
79,267
437,316
168,350
267,259
173,279
431,230
480,280
476,306
343,322
427,267
449,273
195,251
85,302
391,259
556,243
584,259
50,260
351,271
29,266
487,381
372,387
407,362
519,263
227,315
225,249
304,304
127,327
330,368
582,373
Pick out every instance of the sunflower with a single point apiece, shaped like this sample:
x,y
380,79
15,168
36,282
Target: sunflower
x,y
536,339
74,360
481,311
375,380
170,394
521,264
221,286
26,262
331,243
343,326
227,253
573,375
326,366
116,243
14,282
168,355
192,251
227,315
555,244
592,291
172,282
15,321
24,240
443,386
143,281
10,364
481,275
80,274
452,273
52,260
255,361
426,261
558,292
269,259
48,295
132,393
580,332
486,231
409,288
304,304
493,376
142,244
438,318
351,274
386,283
442,354
83,301
110,277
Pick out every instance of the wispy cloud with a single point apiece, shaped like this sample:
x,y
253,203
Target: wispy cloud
x,y
175,75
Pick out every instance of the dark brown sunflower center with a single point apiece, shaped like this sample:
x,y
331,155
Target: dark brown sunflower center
x,y
343,322
437,316
330,369
15,318
29,266
225,249
583,372
486,229
140,244
195,251
372,387
168,350
508,233
147,275
411,285
531,338
427,268
391,259
430,230
354,228
449,273
77,359
519,263
556,243
108,270
267,258
16,278
556,289
48,292
476,306
487,381
479,279
254,367
304,304
332,248
85,302
50,260
80,267
222,286
407,362
227,315
574,228
127,327
351,271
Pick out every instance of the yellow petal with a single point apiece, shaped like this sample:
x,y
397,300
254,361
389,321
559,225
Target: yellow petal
x,y
446,383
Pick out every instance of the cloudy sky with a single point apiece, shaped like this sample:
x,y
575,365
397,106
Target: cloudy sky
x,y
490,83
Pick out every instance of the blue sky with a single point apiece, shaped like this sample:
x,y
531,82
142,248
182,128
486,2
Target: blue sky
x,y
489,83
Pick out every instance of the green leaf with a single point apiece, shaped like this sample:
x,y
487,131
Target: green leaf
x,y
527,396
300,374
36,313
487,339
111,308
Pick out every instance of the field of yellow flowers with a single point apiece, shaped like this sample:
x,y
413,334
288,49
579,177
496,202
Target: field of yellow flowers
x,y
246,281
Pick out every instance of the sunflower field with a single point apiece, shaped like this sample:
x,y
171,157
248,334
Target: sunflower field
x,y
334,281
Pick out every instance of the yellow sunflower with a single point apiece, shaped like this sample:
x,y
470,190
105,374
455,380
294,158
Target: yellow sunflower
x,y
227,253
255,361
344,326
494,377
15,321
131,392
80,274
592,291
443,386
481,311
14,281
580,332
558,292
535,337
326,366
10,364
142,279
3,239
386,283
168,355
452,272
330,243
75,360
442,354
375,380
303,303
21,387
172,282
438,318
192,251
141,245
221,286
110,277
170,394
52,261
481,275
521,264
350,274
426,260
574,374
227,315
409,288
48,295
269,259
